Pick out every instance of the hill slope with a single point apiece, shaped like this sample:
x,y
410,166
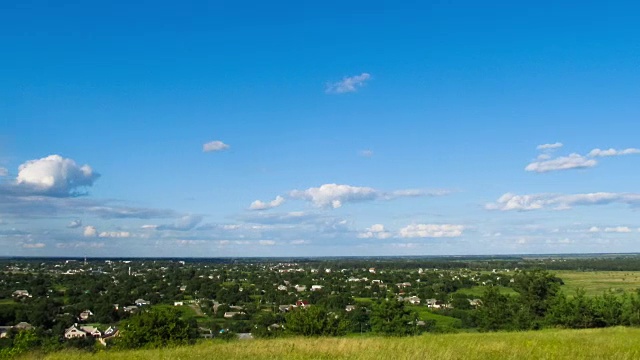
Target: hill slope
x,y
613,343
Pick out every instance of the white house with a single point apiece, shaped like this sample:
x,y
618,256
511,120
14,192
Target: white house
x,y
316,287
73,332
142,302
92,331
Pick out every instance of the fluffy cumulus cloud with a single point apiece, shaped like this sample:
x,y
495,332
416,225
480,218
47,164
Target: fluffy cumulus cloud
x,y
52,176
618,229
213,146
335,195
261,205
376,231
546,163
89,231
185,223
348,84
511,201
431,231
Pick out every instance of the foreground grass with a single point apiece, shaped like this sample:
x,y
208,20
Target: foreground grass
x,y
614,343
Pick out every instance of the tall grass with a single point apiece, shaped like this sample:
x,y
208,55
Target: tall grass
x,y
613,343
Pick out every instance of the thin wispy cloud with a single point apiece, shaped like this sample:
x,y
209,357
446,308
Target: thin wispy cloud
x,y
552,146
431,231
546,163
513,202
366,153
348,84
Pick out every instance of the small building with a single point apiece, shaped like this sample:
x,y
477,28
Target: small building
x,y
20,294
91,331
178,303
4,331
349,308
300,288
112,331
302,303
231,314
282,288
285,308
85,315
74,333
142,302
23,326
316,287
130,309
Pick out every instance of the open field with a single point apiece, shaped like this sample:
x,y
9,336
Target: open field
x,y
478,291
612,343
597,282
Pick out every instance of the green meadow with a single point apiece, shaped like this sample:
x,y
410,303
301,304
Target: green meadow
x,y
611,343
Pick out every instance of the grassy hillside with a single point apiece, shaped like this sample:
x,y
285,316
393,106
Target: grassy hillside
x,y
613,343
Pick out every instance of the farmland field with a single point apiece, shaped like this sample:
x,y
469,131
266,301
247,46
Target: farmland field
x,y
613,343
597,282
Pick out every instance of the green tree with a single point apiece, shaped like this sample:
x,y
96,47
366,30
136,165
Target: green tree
x,y
315,321
156,328
390,317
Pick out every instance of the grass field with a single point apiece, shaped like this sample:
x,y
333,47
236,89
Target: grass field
x,y
597,282
478,291
612,343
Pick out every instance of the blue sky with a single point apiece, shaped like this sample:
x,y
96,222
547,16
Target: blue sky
x,y
278,129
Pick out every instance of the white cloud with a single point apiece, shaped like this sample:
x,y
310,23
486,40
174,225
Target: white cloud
x,y
185,223
573,161
149,226
261,205
74,224
213,146
266,242
550,146
348,84
90,231
511,201
618,229
33,245
375,231
114,234
594,229
366,153
53,176
4,172
335,195
431,231
613,152
300,242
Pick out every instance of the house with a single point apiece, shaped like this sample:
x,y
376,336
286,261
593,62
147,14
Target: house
x,y
112,331
300,288
285,308
413,300
432,303
349,308
85,315
23,326
142,302
178,303
91,331
74,332
4,331
183,288
475,302
316,287
282,288
130,309
20,294
274,327
231,314
302,303
372,270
